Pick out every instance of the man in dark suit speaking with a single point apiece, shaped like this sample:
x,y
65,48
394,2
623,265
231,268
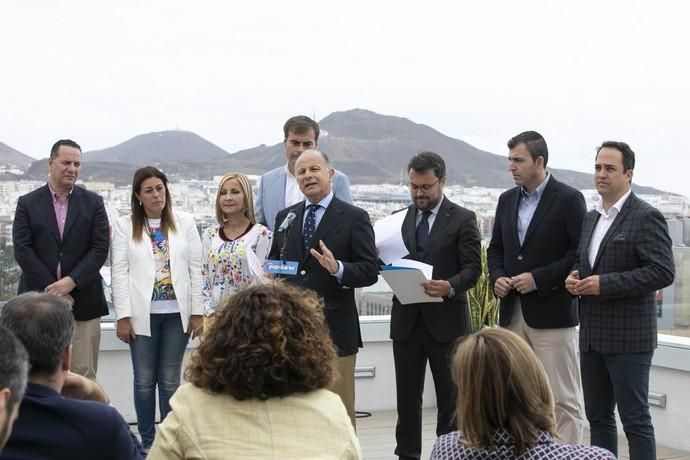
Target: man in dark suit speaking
x,y
440,233
623,258
333,242
61,237
532,250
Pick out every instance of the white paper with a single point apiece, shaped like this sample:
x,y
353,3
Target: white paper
x,y
427,270
407,285
389,242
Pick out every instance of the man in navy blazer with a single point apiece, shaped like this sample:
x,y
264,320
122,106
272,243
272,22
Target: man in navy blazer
x,y
61,237
333,242
278,188
49,424
440,233
623,258
532,250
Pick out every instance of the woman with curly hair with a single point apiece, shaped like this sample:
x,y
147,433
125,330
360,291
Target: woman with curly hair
x,y
257,385
505,405
235,249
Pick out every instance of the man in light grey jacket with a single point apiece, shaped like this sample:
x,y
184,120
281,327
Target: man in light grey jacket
x,y
278,188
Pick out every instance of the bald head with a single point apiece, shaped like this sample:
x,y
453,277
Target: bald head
x,y
314,175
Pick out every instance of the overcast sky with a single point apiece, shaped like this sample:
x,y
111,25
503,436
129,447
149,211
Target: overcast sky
x,y
233,72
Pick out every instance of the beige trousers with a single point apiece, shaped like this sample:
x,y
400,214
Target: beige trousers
x,y
344,385
85,347
557,351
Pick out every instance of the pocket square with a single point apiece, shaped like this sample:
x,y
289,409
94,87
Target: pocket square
x,y
619,237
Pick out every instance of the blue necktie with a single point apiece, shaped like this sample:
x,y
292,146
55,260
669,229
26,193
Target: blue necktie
x,y
423,232
309,227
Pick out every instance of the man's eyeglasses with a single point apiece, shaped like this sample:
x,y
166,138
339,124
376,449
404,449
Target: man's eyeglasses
x,y
424,187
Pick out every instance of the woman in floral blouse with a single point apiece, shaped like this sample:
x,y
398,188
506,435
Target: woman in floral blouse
x,y
233,251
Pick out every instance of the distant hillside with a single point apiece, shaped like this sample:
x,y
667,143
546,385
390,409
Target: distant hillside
x,y
372,148
117,173
158,148
10,156
369,147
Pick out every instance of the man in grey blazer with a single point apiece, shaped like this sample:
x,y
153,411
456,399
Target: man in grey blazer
x,y
278,188
624,257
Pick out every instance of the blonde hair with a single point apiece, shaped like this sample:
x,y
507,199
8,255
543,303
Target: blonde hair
x,y
246,187
501,385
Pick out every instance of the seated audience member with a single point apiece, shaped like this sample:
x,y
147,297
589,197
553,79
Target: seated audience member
x,y
14,369
505,405
258,385
63,415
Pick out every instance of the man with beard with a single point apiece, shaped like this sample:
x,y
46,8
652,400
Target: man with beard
x,y
440,233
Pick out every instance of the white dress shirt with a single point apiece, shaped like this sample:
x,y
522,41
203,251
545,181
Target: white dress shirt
x,y
603,224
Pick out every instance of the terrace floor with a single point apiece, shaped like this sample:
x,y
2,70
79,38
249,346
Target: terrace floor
x,y
377,438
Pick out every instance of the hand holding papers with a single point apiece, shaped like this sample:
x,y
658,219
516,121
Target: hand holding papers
x,y
406,278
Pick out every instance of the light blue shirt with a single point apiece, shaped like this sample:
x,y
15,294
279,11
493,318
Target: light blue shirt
x,y
318,215
528,204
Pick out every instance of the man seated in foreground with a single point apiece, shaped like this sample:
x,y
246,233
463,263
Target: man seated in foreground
x,y
505,406
258,385
63,415
14,369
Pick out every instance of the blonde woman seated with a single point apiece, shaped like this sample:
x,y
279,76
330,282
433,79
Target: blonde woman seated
x,y
505,405
258,385
233,251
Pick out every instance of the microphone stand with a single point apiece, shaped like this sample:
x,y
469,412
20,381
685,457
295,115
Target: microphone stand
x,y
283,247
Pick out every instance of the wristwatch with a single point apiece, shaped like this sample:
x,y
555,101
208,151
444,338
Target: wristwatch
x,y
451,294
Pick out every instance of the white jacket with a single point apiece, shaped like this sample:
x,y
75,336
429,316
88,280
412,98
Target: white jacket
x,y
133,272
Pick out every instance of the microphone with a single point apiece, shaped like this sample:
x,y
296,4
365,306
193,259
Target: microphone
x,y
287,222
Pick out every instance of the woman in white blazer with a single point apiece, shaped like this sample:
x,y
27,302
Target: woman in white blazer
x,y
156,282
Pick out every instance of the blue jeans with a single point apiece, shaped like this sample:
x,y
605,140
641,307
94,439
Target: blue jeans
x,y
618,379
157,360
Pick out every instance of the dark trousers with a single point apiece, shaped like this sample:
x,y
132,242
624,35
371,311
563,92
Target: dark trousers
x,y
618,379
410,359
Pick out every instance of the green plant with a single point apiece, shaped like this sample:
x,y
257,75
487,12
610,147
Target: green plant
x,y
482,301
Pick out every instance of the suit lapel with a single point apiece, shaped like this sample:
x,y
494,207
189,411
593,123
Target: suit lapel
x,y
513,216
49,213
72,210
629,203
588,224
294,234
545,202
409,230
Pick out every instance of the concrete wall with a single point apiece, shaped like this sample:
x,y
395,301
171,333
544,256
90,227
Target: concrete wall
x,y
670,378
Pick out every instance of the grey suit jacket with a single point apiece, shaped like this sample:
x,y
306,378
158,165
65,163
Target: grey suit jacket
x,y
270,198
634,260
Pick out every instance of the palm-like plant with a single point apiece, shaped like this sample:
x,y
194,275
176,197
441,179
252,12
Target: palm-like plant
x,y
483,303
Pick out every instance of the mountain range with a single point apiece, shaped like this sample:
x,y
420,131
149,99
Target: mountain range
x,y
370,148
10,156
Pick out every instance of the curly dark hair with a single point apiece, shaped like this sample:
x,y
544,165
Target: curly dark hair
x,y
269,340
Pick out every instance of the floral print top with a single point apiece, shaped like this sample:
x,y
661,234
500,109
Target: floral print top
x,y
163,299
224,266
